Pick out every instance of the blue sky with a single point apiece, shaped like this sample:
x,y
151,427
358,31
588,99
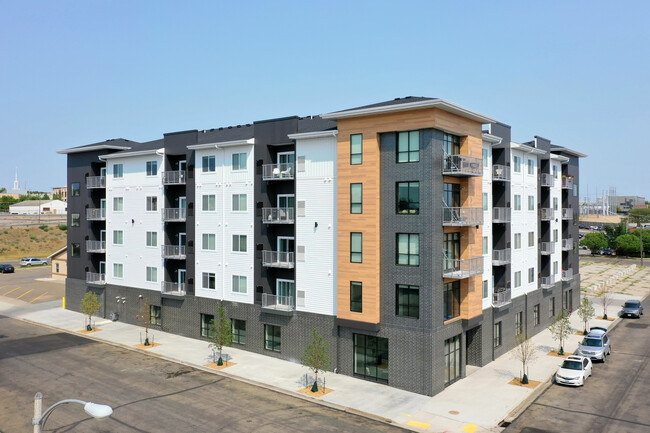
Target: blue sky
x,y
78,72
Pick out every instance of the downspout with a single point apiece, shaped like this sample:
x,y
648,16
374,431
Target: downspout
x,y
223,224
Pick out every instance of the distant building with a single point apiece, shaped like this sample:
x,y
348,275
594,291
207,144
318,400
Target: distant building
x,y
16,189
59,263
34,207
626,202
63,191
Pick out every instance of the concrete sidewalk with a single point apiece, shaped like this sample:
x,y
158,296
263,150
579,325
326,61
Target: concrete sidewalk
x,y
477,403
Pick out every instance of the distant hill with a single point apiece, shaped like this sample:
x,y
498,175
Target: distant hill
x,y
16,243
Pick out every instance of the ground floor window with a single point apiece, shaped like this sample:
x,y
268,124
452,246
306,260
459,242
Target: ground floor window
x,y
156,314
272,338
206,322
536,314
371,357
238,331
567,301
452,300
452,359
551,307
497,334
519,325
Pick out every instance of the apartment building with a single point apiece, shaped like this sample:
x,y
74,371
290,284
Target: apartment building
x,y
414,234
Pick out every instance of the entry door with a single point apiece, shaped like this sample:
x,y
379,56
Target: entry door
x,y
287,200
285,290
102,172
102,206
286,158
181,239
181,276
102,267
102,236
285,245
182,204
182,166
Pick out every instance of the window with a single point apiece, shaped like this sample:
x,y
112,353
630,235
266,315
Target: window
x,y
75,189
209,280
486,157
531,239
272,338
152,204
75,251
239,202
555,268
371,357
209,241
239,243
356,247
451,194
408,197
531,166
118,204
555,203
155,312
485,245
118,270
531,202
517,164
118,237
239,161
209,203
118,171
519,326
239,284
575,189
238,331
408,301
555,235
497,334
451,300
152,274
408,249
75,220
408,146
517,279
517,240
152,239
206,325
485,288
531,275
356,198
152,168
208,164
536,315
452,360
485,201
356,149
551,307
555,171
356,296
451,144
517,202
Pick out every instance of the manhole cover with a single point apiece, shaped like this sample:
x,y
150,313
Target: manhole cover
x,y
454,412
636,325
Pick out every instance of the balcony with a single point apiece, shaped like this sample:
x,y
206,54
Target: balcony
x,y
462,165
567,182
172,290
567,214
501,215
462,216
567,244
546,179
501,257
283,305
547,282
95,182
546,214
95,246
501,297
176,177
567,274
284,171
278,215
462,268
174,214
173,252
276,259
547,248
95,278
501,172
96,214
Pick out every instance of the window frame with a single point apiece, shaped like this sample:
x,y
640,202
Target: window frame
x,y
120,267
240,279
151,274
151,203
412,206
238,166
151,239
118,171
208,202
536,320
356,299
151,168
238,333
239,243
237,200
517,241
75,220
208,163
531,202
118,202
155,313
451,300
411,308
118,235
211,238
206,324
410,256
75,189
411,155
274,344
353,155
356,256
210,278
356,207
517,205
497,337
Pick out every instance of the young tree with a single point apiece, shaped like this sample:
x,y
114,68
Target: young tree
x,y
525,353
144,317
628,244
605,295
594,241
560,330
220,333
90,305
612,231
316,357
586,311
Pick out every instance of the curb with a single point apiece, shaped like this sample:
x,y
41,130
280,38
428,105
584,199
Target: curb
x,y
521,407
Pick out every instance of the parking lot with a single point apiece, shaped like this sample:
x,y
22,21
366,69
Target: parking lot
x,y
31,285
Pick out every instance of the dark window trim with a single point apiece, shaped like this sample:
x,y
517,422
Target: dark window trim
x,y
409,201
353,204
410,306
356,306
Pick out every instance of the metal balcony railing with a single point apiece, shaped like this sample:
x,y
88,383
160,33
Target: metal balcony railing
x,y
501,297
278,303
462,165
278,215
170,288
176,177
95,182
95,246
278,171
567,182
567,274
546,214
95,278
462,216
501,257
500,172
547,248
546,179
567,244
547,282
173,252
567,213
461,268
276,259
501,215
96,214
174,214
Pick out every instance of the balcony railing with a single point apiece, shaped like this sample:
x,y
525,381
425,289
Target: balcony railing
x,y
96,246
567,182
95,278
278,171
176,177
278,215
96,214
462,165
278,304
174,214
567,244
501,215
500,172
567,274
95,182
173,252
547,282
462,268
172,289
462,216
276,259
546,214
567,213
501,257
501,297
547,248
546,179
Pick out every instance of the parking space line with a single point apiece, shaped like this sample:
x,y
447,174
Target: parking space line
x,y
10,291
30,290
39,296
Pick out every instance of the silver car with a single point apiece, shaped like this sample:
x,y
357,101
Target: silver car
x,y
32,261
632,308
595,345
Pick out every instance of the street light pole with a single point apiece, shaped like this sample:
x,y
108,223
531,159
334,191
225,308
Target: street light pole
x,y
98,411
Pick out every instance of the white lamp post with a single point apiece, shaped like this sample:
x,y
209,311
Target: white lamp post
x,y
98,411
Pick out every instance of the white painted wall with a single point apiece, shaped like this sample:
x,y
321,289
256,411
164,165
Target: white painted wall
x,y
556,193
487,226
44,207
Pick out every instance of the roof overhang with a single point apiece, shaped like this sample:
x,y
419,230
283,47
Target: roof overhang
x,y
569,151
57,252
247,141
527,148
492,139
556,157
160,151
92,148
315,134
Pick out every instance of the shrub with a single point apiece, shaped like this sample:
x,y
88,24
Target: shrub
x,y
44,228
63,227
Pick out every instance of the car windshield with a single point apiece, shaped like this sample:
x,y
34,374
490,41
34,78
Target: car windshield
x,y
592,342
572,365
631,305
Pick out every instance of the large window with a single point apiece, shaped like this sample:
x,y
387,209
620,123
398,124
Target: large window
x,y
118,171
536,315
208,163
238,331
451,144
239,284
408,197
356,149
356,198
209,241
209,203
239,243
272,338
408,146
152,239
118,237
152,168
118,204
451,300
408,249
356,245
356,297
497,334
118,270
519,323
371,357
408,301
239,161
75,189
155,313
451,194
239,202
152,274
452,359
152,204
209,280
206,325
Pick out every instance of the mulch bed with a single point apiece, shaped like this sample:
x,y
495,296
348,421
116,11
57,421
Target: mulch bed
x,y
142,346
321,391
531,383
85,331
610,319
220,367
554,353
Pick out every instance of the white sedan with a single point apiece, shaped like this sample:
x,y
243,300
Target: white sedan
x,y
574,371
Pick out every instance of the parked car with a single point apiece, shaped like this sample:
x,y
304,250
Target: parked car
x,y
595,345
6,268
632,308
32,261
574,371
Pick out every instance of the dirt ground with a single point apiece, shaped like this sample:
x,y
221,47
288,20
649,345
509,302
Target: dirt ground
x,y
636,283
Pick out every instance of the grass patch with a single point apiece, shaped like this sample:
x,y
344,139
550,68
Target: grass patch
x,y
19,242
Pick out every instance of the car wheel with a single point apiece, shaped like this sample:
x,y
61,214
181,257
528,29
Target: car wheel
x,y
604,358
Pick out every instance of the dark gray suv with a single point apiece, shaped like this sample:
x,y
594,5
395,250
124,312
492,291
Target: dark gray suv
x,y
632,308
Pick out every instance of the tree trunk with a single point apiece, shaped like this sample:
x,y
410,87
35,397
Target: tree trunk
x,y
220,362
